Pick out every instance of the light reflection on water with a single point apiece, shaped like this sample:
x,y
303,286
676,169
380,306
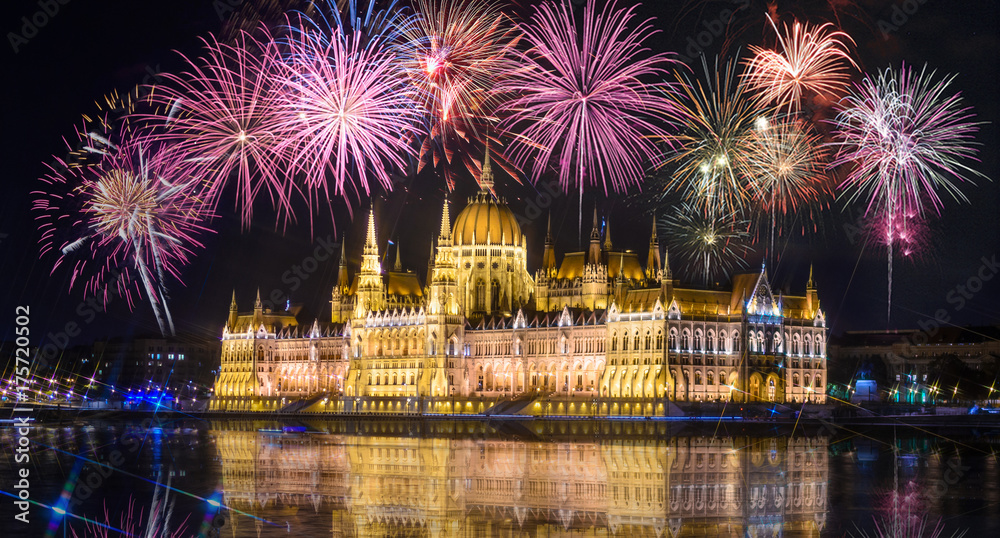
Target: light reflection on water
x,y
468,478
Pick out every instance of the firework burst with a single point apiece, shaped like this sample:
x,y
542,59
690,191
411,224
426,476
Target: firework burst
x,y
905,138
710,246
454,55
219,118
121,222
583,101
785,168
812,61
715,139
347,112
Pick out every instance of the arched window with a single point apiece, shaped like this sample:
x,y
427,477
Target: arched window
x,y
796,345
770,389
819,381
649,341
699,341
736,341
686,340
625,342
636,341
411,379
673,339
795,380
697,377
808,345
761,342
819,346
378,380
614,341
711,378
394,379
711,341
752,342
808,378
659,340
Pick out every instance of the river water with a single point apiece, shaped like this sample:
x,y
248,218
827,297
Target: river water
x,y
470,478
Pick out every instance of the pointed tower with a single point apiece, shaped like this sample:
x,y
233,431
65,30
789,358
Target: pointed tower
x,y
233,315
444,278
398,266
653,259
812,296
371,290
340,302
594,253
549,254
486,180
258,312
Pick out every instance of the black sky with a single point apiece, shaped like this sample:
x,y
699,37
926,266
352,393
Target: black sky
x,y
90,48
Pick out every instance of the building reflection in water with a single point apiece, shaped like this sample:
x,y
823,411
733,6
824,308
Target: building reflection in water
x,y
466,479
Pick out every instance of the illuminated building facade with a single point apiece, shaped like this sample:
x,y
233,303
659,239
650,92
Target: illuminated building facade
x,y
598,325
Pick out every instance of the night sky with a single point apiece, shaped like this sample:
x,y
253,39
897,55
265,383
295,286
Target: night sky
x,y
90,48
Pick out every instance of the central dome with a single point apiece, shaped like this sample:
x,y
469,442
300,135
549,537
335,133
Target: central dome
x,y
485,218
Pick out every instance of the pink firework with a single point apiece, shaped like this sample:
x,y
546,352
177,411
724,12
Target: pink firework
x,y
347,111
904,139
219,118
454,54
587,101
812,61
122,221
906,233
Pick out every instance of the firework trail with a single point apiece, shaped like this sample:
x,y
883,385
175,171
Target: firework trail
x,y
812,61
119,219
785,168
715,140
219,117
711,245
454,55
584,101
906,139
347,112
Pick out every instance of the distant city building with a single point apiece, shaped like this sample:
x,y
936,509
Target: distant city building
x,y
183,369
903,361
599,324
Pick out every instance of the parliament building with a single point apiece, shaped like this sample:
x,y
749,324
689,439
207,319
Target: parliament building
x,y
597,332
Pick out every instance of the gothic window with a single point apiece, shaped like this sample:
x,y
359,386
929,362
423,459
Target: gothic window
x,y
673,339
796,345
795,380
777,343
711,378
686,340
649,340
377,380
711,341
480,295
636,341
819,381
761,342
614,342
394,379
770,389
697,377
659,340
736,341
699,341
752,343
819,345
411,379
625,342
808,378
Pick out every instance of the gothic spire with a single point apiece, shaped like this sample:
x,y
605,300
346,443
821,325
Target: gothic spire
x,y
398,266
486,180
810,285
445,222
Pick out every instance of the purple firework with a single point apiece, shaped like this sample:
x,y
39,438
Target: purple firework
x,y
581,96
121,222
347,111
905,138
218,115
